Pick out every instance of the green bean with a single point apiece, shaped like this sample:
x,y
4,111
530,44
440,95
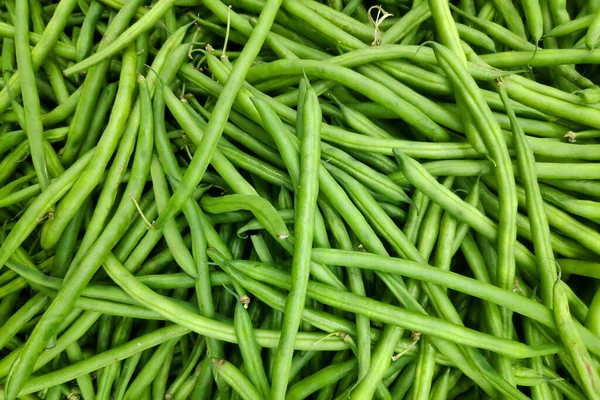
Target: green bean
x,y
125,39
111,234
535,207
376,91
578,267
202,325
391,314
237,380
559,243
446,28
10,140
357,286
326,376
384,146
150,369
276,129
591,321
404,381
452,203
334,156
441,386
244,138
510,37
84,381
372,179
86,36
359,122
106,376
45,45
38,278
567,224
86,183
7,305
188,386
436,112
19,196
575,185
249,349
261,208
304,222
430,227
462,228
418,14
111,185
354,141
39,208
572,26
203,389
545,171
564,387
217,123
343,21
103,105
257,167
19,283
84,322
159,384
192,127
10,163
577,113
391,282
534,19
593,33
319,319
125,370
194,216
91,364
425,369
537,363
383,271
182,255
21,317
492,314
435,275
475,37
492,139
91,87
30,93
494,143
573,343
63,111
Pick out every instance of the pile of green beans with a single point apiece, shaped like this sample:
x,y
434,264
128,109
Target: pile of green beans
x,y
299,199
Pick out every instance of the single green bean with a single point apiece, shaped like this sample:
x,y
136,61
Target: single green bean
x,y
573,343
304,222
29,92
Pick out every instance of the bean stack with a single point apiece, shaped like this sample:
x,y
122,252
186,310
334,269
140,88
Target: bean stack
x,y
291,199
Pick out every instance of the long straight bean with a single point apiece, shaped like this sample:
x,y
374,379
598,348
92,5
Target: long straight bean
x,y
29,92
306,203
